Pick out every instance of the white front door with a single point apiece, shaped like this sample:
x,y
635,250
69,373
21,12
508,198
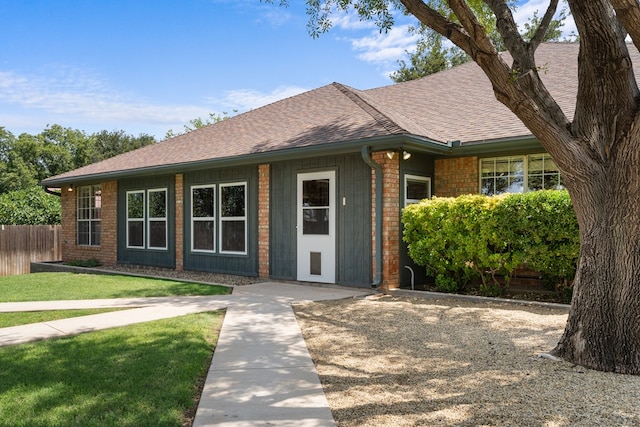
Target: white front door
x,y
316,227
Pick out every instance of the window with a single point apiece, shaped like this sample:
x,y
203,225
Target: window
x,y
517,174
233,218
203,219
135,219
219,217
543,173
502,175
416,188
89,215
147,219
157,223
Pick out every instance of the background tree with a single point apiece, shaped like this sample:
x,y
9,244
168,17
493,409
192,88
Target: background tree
x,y
111,143
28,159
433,53
596,151
198,123
30,206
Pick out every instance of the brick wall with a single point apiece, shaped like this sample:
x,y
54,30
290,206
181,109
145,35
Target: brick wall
x,y
263,220
107,252
390,219
454,177
179,222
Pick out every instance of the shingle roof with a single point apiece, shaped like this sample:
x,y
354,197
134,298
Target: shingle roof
x,y
459,104
453,105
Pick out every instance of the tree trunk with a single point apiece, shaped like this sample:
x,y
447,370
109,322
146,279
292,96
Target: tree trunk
x,y
603,329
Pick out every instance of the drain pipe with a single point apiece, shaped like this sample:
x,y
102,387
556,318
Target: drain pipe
x,y
49,191
366,156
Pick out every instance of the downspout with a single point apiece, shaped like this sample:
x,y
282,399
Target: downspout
x,y
366,156
48,191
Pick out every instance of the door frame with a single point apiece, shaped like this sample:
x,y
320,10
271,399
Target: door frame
x,y
321,247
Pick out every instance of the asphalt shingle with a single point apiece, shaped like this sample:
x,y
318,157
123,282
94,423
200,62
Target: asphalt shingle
x,y
453,105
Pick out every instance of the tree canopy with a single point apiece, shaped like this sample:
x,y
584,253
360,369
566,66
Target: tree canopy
x,y
596,150
27,159
433,53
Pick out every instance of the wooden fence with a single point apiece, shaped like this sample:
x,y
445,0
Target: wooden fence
x,y
22,244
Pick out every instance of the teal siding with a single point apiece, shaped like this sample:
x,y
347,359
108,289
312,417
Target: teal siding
x,y
152,257
245,265
420,165
353,243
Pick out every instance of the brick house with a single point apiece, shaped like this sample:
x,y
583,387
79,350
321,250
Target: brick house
x,y
311,188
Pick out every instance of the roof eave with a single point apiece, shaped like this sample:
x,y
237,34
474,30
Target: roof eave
x,y
500,146
389,142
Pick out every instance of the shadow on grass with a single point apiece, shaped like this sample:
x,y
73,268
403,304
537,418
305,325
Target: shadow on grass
x,y
167,288
141,375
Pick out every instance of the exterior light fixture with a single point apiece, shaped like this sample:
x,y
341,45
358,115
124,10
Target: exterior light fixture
x,y
406,155
391,154
70,187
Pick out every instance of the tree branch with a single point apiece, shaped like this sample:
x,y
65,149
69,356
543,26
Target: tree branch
x,y
434,20
628,13
538,37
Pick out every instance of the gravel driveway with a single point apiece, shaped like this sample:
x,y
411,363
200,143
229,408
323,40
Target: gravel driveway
x,y
399,361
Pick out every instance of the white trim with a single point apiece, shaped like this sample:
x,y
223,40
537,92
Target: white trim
x,y
323,244
222,219
157,219
143,219
91,210
204,219
407,178
525,169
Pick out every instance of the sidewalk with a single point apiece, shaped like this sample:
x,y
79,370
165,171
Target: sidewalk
x,y
261,373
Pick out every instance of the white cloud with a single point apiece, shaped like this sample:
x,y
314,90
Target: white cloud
x,y
73,98
76,93
385,47
248,99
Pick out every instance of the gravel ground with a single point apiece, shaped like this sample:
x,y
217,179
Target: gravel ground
x,y
400,361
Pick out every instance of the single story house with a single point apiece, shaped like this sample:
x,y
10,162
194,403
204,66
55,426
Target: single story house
x,y
311,188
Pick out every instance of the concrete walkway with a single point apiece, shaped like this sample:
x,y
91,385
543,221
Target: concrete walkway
x,y
261,373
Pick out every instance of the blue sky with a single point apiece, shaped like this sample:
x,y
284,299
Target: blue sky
x,y
147,66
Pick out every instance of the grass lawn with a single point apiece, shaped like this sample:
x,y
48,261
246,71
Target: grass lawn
x,y
66,286
26,317
140,375
148,374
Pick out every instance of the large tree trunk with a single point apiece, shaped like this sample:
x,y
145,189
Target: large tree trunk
x,y
598,153
603,329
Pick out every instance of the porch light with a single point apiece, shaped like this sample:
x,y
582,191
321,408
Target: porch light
x,y
70,187
391,154
406,155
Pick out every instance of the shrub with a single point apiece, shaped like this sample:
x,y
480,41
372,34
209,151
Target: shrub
x,y
29,207
482,237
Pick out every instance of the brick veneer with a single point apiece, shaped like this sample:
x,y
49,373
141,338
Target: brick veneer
x,y
454,177
390,219
107,252
179,222
263,220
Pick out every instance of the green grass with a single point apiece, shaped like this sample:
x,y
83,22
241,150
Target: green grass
x,y
139,375
66,286
26,317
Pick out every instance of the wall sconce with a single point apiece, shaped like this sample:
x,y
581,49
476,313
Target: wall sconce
x,y
406,155
70,187
391,154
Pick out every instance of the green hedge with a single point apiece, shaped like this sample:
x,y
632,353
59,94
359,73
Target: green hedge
x,y
29,207
487,238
